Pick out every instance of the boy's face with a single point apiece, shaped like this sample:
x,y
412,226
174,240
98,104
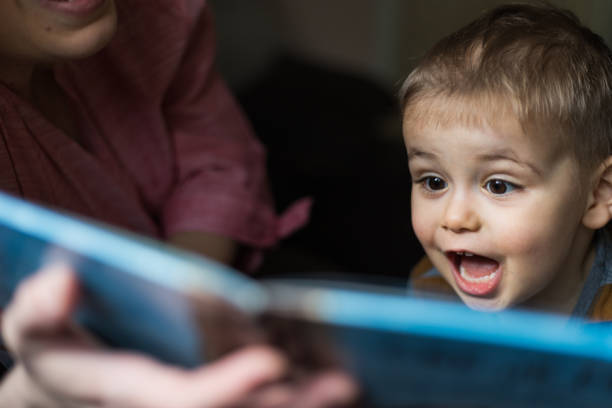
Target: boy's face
x,y
498,213
47,30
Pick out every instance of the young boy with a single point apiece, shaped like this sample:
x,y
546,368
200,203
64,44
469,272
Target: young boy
x,y
508,130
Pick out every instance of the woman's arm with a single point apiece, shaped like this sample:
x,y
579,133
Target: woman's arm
x,y
215,246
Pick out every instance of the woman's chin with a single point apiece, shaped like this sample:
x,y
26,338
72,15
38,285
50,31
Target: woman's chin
x,y
81,43
53,39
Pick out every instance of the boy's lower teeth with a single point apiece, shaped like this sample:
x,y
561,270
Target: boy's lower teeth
x,y
469,278
476,268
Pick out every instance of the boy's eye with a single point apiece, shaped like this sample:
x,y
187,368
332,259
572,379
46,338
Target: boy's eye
x,y
499,187
434,183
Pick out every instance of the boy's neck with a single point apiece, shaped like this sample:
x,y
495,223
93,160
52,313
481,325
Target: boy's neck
x,y
563,295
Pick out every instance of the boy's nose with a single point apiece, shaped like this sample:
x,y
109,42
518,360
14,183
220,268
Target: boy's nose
x,y
459,214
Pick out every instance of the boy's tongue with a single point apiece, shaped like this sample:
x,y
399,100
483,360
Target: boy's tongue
x,y
477,266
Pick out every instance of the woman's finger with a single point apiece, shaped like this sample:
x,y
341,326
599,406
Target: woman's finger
x,y
218,384
42,305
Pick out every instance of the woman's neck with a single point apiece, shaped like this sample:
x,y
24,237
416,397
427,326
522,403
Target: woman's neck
x,y
18,76
36,84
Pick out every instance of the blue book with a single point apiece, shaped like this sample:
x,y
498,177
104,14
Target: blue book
x,y
184,309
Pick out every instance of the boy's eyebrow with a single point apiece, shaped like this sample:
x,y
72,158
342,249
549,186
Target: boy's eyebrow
x,y
413,152
506,154
503,154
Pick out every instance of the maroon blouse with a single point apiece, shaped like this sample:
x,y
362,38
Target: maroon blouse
x,y
164,146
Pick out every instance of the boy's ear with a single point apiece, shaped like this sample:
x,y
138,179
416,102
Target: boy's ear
x,y
599,205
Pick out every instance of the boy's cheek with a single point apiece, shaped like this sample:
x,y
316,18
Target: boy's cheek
x,y
422,226
535,235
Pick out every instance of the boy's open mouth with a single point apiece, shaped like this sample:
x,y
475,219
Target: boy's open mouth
x,y
474,274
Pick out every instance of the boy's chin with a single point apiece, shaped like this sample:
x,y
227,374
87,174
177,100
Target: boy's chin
x,y
484,304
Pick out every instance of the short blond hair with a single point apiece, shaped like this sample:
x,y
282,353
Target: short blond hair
x,y
549,69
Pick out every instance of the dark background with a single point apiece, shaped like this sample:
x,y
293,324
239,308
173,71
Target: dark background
x,y
318,79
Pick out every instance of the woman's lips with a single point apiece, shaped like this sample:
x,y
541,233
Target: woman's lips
x,y
73,7
475,274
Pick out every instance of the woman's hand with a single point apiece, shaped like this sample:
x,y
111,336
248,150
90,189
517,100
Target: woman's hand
x,y
60,365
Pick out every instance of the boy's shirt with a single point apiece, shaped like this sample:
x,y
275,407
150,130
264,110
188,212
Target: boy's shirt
x,y
594,302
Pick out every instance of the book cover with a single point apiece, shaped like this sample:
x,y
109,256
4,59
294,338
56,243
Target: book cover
x,y
184,309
